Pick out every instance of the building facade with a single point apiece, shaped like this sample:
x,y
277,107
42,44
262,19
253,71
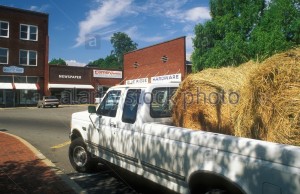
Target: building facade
x,y
77,85
25,74
23,56
163,62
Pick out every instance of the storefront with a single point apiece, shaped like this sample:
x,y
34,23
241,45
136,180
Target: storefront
x,y
80,85
19,90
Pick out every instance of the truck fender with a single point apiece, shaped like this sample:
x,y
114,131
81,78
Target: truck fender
x,y
75,134
208,181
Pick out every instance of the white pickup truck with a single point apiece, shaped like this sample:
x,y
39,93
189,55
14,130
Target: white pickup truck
x,y
132,128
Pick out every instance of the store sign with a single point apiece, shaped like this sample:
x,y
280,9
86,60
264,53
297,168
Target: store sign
x,y
69,76
166,78
13,69
137,81
107,74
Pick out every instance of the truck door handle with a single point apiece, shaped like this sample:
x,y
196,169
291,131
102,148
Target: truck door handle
x,y
113,125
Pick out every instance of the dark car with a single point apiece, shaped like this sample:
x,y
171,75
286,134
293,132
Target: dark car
x,y
48,101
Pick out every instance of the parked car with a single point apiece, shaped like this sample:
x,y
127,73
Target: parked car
x,y
48,101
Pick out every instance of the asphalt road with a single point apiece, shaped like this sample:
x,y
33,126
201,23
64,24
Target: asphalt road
x,y
47,129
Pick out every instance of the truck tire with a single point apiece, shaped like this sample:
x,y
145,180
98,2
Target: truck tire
x,y
80,158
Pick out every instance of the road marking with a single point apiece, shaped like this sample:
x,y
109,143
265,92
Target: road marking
x,y
61,145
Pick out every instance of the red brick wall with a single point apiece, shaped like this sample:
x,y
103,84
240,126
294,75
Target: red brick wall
x,y
150,63
15,17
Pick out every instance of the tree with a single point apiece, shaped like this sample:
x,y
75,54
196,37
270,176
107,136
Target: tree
x,y
109,62
245,30
58,61
278,29
122,44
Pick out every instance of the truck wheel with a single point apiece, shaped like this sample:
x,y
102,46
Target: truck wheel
x,y
80,158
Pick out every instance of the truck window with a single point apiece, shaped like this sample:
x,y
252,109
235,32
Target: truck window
x,y
131,106
160,104
109,105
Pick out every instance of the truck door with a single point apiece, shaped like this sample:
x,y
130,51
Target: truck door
x,y
105,120
126,134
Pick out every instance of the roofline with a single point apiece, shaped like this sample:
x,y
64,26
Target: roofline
x,y
23,10
154,45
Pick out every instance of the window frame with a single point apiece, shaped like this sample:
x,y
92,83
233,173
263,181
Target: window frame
x,y
7,36
7,56
28,32
28,57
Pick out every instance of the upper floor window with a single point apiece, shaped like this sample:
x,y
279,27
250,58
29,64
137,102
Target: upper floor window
x,y
3,56
28,57
28,32
4,29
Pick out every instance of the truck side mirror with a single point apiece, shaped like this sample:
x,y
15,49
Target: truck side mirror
x,y
92,109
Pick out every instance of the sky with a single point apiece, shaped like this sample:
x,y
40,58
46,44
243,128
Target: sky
x,y
80,30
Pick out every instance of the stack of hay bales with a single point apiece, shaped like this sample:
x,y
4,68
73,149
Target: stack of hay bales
x,y
260,101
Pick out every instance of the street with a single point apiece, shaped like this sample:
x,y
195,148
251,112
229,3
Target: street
x,y
47,129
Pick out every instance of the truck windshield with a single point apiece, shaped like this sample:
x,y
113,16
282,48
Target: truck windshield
x,y
160,104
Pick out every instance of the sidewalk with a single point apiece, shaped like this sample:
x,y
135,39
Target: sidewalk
x,y
25,170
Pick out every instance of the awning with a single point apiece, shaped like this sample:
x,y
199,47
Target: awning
x,y
6,86
26,86
70,86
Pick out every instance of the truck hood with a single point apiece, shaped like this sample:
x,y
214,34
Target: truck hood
x,y
83,115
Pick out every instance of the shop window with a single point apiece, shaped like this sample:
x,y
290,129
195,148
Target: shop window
x,y
1,97
4,29
19,79
28,32
28,57
6,79
32,80
28,97
131,106
3,56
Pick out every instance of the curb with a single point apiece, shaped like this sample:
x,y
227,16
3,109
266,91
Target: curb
x,y
76,188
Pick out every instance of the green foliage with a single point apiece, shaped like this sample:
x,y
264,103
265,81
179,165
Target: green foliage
x,y
58,61
122,44
244,30
109,62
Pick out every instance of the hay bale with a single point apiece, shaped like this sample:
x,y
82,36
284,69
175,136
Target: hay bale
x,y
207,100
269,108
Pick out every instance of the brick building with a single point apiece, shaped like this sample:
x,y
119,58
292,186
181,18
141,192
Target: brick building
x,y
163,62
25,74
80,84
23,56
